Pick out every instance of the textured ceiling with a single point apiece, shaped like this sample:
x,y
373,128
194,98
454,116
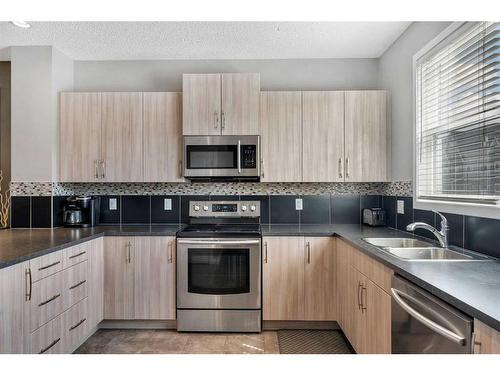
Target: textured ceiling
x,y
207,40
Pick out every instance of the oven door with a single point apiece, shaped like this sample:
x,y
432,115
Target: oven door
x,y
221,156
218,273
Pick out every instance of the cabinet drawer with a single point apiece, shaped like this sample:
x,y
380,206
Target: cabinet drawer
x,y
75,326
75,254
75,284
47,300
46,265
48,338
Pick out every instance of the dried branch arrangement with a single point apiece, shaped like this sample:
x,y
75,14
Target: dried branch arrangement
x,y
4,204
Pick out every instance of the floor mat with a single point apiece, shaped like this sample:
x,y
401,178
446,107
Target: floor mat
x,y
313,342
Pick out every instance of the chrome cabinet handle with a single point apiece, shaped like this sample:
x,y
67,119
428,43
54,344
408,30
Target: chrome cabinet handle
x,y
396,294
29,284
77,324
170,253
308,247
49,300
340,167
216,115
363,306
239,156
265,252
475,343
50,346
129,256
77,255
347,168
359,294
49,265
223,118
96,169
180,168
103,169
77,284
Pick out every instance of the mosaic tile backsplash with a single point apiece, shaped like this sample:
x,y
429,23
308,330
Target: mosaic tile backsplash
x,y
403,189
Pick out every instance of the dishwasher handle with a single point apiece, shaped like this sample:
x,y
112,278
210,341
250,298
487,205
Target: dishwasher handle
x,y
396,294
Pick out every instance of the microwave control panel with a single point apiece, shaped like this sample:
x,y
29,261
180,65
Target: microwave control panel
x,y
249,156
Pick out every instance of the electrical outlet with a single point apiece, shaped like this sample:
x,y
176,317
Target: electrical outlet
x,y
298,204
401,207
167,204
113,204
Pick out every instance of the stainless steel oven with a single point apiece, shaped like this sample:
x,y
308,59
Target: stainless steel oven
x,y
225,156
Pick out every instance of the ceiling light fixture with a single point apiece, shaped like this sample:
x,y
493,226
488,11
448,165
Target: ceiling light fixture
x,y
22,24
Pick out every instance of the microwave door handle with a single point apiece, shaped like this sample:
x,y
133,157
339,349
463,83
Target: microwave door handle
x,y
239,156
396,294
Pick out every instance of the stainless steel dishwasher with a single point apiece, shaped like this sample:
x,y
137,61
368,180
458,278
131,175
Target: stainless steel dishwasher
x,y
423,324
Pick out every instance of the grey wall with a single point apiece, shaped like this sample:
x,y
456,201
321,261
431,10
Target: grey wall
x,y
38,74
395,75
166,75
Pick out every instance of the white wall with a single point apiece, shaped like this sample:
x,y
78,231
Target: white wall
x,y
166,75
37,74
395,75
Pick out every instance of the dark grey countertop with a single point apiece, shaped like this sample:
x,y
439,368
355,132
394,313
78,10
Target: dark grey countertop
x,y
473,287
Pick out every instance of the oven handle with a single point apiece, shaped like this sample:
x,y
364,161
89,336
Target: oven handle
x,y
216,242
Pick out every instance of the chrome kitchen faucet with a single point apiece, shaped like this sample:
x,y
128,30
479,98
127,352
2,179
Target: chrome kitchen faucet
x,y
441,235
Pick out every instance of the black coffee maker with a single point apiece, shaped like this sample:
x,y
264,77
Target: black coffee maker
x,y
81,212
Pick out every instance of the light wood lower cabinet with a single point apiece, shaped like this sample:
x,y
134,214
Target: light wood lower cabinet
x,y
139,278
486,339
299,278
75,326
48,338
96,281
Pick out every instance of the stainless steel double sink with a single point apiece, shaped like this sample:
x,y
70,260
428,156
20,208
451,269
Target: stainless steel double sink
x,y
412,249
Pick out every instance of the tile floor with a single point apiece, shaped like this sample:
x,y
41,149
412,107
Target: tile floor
x,y
113,341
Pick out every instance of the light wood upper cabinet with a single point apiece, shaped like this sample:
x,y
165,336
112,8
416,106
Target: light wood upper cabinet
x,y
201,109
283,278
320,301
154,278
80,136
486,339
240,104
119,278
122,141
281,141
367,136
14,286
322,136
163,136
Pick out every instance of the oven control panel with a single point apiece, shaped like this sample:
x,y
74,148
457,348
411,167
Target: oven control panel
x,y
224,209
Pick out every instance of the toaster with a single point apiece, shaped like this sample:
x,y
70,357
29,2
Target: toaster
x,y
374,217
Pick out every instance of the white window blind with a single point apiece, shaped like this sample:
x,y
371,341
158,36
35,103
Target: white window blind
x,y
458,117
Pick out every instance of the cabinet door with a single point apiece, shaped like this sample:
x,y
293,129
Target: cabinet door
x,y
283,278
154,275
377,307
281,143
96,281
122,142
320,279
201,109
240,104
486,339
367,136
119,278
163,137
323,136
355,328
14,286
80,136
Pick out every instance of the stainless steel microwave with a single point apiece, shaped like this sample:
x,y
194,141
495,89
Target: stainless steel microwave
x,y
222,157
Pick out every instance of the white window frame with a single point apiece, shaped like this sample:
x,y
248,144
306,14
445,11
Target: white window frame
x,y
461,208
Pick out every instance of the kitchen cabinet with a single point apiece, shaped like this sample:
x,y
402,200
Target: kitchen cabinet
x,y
139,278
154,278
119,278
75,326
163,137
486,339
367,136
80,136
299,279
14,290
220,104
281,141
323,136
96,281
48,338
122,137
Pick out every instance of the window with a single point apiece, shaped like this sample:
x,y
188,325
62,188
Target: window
x,y
457,117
